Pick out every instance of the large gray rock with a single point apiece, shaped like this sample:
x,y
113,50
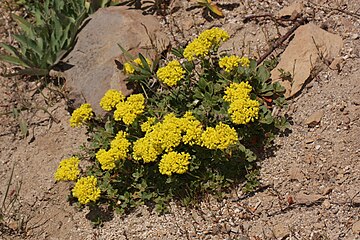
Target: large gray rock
x,y
93,60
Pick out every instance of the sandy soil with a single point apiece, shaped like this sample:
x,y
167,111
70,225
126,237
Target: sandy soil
x,y
319,165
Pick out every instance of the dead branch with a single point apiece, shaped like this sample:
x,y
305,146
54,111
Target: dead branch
x,y
282,39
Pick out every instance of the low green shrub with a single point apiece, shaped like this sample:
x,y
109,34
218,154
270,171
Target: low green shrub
x,y
195,127
45,40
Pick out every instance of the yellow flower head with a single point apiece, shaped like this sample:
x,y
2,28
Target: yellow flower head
x,y
129,67
221,137
206,41
81,115
174,162
111,98
245,62
147,126
106,159
68,170
171,73
197,48
214,35
192,129
242,111
127,111
242,108
237,91
165,136
120,146
230,63
145,149
86,190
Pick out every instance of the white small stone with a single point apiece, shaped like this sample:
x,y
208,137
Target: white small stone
x,y
354,36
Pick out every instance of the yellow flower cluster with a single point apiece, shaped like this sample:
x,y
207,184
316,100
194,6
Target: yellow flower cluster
x,y
245,62
68,170
242,108
128,110
81,115
192,129
237,91
171,74
174,162
86,190
119,147
145,149
232,62
111,98
129,67
243,111
147,126
206,41
221,137
166,135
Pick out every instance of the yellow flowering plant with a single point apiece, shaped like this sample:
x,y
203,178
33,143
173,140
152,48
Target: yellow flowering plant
x,y
196,126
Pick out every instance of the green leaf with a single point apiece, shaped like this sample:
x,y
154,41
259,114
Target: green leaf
x,y
126,53
215,9
202,84
28,43
9,48
33,72
265,116
189,66
13,60
263,74
178,52
38,17
144,63
24,25
278,88
23,126
210,87
198,94
253,64
155,64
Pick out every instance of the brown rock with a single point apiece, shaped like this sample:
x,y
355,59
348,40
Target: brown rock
x,y
295,173
281,231
96,56
305,55
188,23
314,119
336,64
356,227
326,204
309,159
327,190
309,140
291,11
13,225
307,199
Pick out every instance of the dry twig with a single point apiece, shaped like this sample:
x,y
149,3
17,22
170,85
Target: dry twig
x,y
281,40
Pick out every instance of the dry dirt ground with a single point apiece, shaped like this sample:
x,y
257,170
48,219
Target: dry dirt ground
x,y
318,166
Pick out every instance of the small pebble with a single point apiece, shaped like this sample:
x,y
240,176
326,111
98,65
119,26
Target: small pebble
x,y
326,204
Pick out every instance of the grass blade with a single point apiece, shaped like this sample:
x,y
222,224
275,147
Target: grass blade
x,y
13,60
8,187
